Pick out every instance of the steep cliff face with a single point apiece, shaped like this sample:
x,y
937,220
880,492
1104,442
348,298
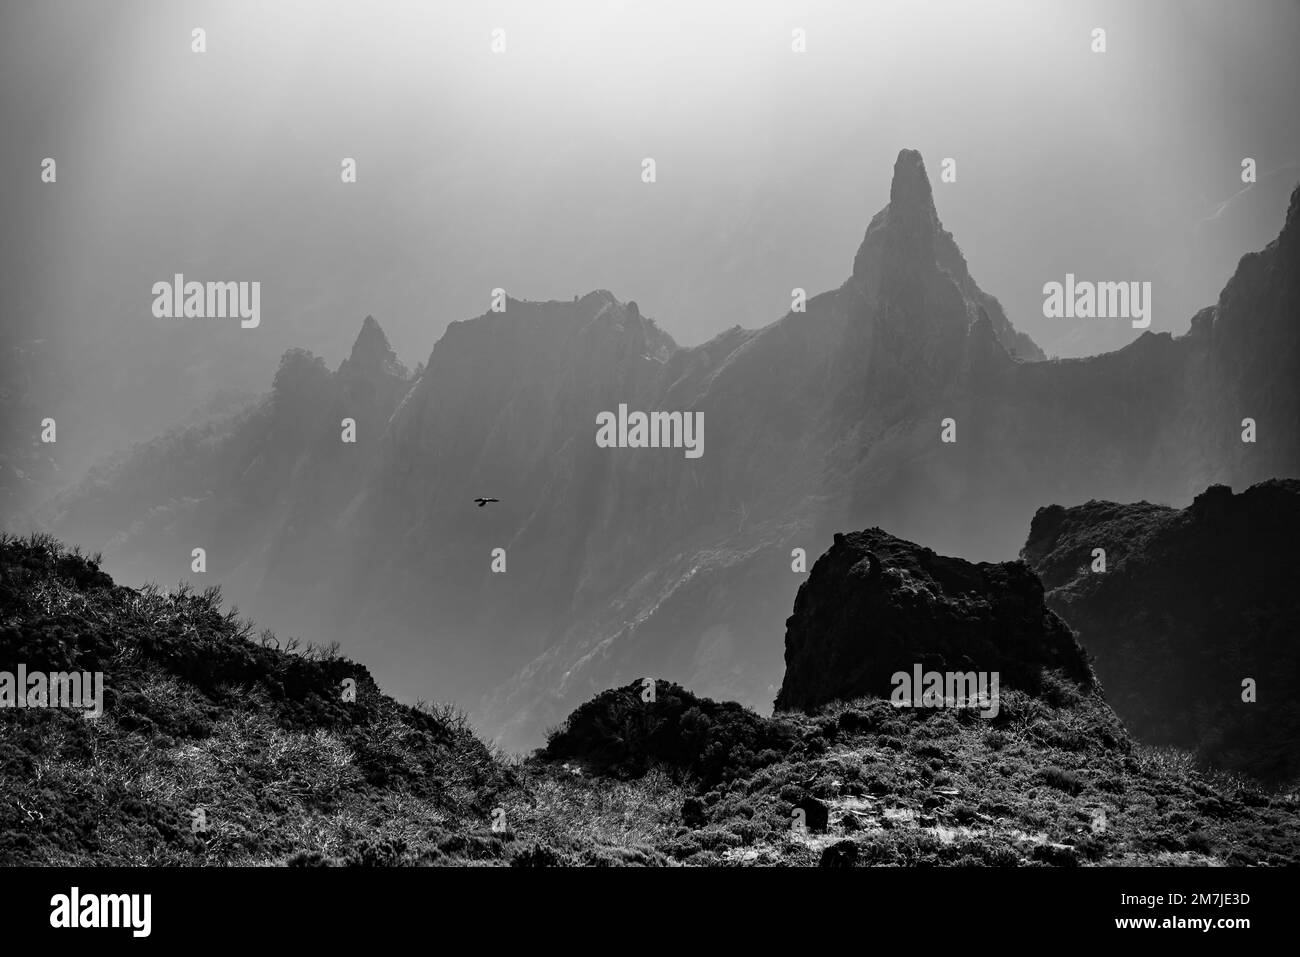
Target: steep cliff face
x,y
627,561
1191,603
875,605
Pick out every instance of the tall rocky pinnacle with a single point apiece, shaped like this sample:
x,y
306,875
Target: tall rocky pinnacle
x,y
913,221
909,221
916,284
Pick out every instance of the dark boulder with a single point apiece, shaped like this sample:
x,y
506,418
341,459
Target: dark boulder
x,y
874,605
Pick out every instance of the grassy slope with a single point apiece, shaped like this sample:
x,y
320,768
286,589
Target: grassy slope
x,y
199,713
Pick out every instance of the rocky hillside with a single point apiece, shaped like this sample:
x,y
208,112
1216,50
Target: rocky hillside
x,y
1190,604
622,562
216,746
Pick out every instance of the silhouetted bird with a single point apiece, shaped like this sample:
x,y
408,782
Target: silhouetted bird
x,y
484,501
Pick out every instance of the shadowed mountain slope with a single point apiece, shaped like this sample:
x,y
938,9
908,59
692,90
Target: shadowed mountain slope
x,y
1192,602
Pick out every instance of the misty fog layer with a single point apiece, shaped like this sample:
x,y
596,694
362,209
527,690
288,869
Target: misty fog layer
x,y
521,170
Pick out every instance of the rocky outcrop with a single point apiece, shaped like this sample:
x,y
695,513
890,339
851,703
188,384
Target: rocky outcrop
x,y
1191,603
875,605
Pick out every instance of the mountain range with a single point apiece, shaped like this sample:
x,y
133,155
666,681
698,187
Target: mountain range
x,y
633,561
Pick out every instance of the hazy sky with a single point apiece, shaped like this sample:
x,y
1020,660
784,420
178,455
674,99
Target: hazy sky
x,y
522,169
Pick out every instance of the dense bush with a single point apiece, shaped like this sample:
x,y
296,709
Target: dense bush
x,y
618,733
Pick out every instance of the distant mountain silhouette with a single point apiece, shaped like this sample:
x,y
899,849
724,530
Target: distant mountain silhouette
x,y
624,562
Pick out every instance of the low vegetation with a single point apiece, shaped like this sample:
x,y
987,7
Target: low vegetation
x,y
218,746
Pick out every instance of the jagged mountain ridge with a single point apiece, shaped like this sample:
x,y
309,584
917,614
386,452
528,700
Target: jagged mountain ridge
x,y
630,562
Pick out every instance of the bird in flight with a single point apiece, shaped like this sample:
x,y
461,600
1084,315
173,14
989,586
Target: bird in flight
x,y
483,501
